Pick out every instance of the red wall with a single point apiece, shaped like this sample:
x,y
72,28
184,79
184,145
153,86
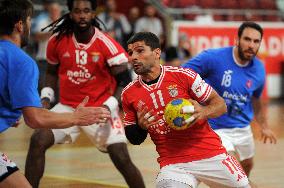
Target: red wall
x,y
124,5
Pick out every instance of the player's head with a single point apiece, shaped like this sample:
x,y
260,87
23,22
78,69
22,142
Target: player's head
x,y
81,17
82,13
249,39
15,17
144,52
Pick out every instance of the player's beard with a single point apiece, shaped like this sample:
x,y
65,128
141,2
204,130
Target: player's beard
x,y
142,69
25,36
83,29
243,57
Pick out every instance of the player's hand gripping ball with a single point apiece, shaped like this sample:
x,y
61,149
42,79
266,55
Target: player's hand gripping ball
x,y
173,116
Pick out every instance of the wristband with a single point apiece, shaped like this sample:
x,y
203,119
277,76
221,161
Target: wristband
x,y
111,103
47,92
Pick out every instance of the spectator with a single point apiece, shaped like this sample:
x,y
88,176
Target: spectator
x,y
149,22
133,16
116,23
41,37
175,56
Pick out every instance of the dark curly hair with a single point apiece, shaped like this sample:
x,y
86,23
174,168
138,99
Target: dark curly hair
x,y
64,25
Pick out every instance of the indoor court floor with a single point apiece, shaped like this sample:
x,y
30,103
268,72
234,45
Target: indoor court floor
x,y
81,165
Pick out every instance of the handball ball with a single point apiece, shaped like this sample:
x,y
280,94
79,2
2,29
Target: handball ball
x,y
173,116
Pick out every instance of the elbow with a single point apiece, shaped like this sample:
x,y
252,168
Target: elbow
x,y
134,139
135,142
35,120
33,123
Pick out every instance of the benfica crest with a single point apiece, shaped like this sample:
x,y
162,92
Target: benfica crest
x,y
95,56
173,91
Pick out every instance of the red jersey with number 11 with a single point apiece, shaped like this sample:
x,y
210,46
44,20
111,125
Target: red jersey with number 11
x,y
195,143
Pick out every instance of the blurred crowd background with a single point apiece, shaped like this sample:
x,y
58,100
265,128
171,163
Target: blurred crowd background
x,y
122,18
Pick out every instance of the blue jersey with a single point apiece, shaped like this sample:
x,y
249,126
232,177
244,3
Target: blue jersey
x,y
18,86
236,84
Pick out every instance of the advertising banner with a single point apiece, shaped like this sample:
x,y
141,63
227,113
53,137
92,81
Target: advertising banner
x,y
220,34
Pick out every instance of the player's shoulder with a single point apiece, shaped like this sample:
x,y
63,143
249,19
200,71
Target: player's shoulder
x,y
179,71
107,42
103,37
15,52
216,52
258,64
131,86
55,40
53,37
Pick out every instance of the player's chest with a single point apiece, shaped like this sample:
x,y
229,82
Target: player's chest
x,y
234,79
75,58
157,98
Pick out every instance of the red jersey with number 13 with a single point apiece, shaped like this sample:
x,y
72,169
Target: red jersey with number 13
x,y
84,68
195,143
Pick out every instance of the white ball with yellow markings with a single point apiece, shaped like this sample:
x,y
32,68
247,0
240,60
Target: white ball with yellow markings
x,y
173,116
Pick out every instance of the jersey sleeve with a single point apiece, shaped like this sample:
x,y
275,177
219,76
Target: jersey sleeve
x,y
261,74
199,90
113,51
23,86
51,52
129,117
199,63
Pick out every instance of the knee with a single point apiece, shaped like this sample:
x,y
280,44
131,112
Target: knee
x,y
41,139
247,163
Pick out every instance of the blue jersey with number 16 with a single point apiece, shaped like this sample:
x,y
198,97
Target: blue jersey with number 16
x,y
235,83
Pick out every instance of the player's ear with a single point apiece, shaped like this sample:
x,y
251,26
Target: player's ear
x,y
237,41
158,52
19,26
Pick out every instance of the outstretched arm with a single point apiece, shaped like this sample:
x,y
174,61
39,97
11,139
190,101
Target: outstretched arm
x,y
82,116
266,132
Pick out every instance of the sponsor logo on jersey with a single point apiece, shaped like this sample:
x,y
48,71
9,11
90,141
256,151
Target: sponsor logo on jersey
x,y
249,84
173,91
79,76
66,54
159,128
199,86
236,97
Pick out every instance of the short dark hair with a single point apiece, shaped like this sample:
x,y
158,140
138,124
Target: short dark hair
x,y
13,11
250,25
149,38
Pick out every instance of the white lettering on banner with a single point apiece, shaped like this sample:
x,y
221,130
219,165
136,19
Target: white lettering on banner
x,y
272,46
205,42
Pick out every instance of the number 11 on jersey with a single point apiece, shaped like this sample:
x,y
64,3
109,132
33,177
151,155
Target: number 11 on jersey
x,y
161,99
